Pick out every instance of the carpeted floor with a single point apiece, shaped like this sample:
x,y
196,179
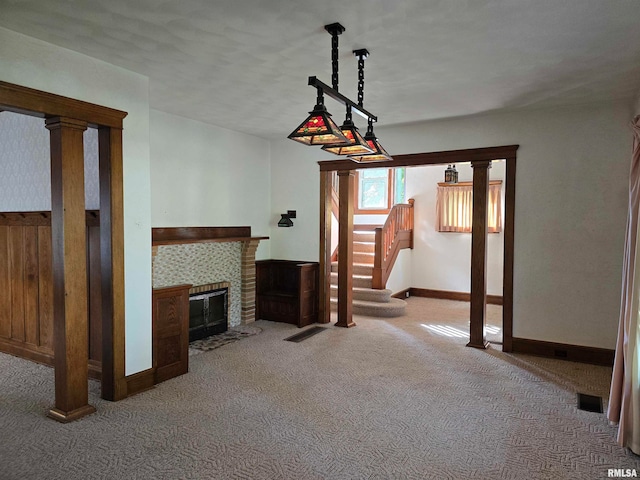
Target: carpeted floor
x,y
388,399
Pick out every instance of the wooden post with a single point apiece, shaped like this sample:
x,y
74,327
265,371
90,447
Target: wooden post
x,y
69,253
324,290
376,278
509,238
114,386
345,249
479,234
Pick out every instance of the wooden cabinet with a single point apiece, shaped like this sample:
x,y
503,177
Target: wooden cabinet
x,y
170,331
287,291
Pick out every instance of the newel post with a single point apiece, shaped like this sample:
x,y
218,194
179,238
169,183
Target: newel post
x,y
376,281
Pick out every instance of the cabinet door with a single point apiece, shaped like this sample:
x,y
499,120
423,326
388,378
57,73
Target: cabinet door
x,y
170,332
308,295
278,309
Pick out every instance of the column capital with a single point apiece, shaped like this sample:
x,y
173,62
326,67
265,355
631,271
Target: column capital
x,y
481,164
342,173
53,123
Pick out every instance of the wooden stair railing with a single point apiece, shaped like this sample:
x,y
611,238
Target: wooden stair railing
x,y
393,236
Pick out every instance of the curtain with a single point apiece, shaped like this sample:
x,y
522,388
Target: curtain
x,y
454,208
624,398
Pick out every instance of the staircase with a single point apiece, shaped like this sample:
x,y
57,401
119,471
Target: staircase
x,y
366,300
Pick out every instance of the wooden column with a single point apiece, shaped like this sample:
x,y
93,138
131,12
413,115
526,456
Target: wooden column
x,y
509,238
68,231
479,233
345,249
114,386
324,290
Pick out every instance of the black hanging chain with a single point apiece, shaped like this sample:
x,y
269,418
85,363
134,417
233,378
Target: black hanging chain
x,y
334,61
334,29
361,54
361,80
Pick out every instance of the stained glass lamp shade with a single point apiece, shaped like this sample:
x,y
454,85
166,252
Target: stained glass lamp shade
x,y
379,153
355,145
318,129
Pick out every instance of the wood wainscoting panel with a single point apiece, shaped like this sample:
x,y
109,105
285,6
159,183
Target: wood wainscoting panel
x,y
31,285
16,266
45,290
5,284
26,287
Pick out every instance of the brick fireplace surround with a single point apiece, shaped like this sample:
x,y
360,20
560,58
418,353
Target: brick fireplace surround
x,y
208,255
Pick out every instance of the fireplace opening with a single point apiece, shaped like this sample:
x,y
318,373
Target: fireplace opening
x,y
208,313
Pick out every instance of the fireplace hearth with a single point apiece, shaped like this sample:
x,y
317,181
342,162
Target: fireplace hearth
x,y
208,313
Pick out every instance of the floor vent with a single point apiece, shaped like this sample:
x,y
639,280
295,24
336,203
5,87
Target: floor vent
x,y
309,332
590,403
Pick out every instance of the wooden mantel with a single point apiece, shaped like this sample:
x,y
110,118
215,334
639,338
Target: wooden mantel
x,y
181,235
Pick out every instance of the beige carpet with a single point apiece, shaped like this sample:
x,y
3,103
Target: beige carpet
x,y
388,399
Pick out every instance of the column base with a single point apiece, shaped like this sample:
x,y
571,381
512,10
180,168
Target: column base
x,y
66,417
482,345
346,325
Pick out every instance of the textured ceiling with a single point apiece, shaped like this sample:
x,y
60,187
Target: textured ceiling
x,y
243,64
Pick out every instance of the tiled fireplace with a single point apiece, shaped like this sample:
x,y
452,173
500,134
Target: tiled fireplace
x,y
202,256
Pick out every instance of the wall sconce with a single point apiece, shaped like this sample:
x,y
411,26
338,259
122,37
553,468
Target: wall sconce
x,y
285,220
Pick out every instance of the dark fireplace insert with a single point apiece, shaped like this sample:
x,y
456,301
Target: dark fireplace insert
x,y
208,313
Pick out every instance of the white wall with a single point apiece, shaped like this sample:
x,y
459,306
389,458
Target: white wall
x,y
442,261
202,175
571,204
295,185
401,275
43,66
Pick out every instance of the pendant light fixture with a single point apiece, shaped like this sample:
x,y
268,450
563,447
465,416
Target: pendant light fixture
x,y
319,129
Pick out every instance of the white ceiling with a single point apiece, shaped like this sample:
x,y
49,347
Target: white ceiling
x,y
243,64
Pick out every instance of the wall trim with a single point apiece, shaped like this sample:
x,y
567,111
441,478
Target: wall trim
x,y
141,381
402,294
449,295
563,351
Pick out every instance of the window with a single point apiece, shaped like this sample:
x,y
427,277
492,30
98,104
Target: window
x,y
378,189
454,207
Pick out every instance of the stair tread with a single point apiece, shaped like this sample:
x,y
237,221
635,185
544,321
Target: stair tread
x,y
354,275
395,308
354,264
365,289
